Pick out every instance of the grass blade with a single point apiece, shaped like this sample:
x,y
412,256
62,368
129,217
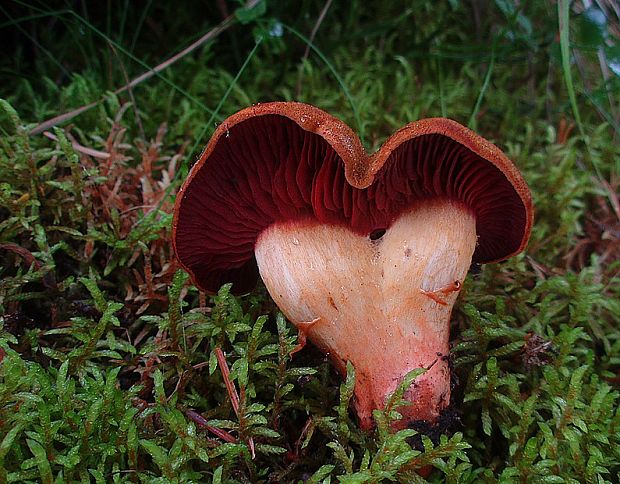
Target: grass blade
x,y
564,23
473,122
339,79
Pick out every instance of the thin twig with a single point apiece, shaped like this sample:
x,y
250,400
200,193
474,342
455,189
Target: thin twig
x,y
129,92
230,387
315,29
81,149
214,32
234,396
24,253
330,66
203,422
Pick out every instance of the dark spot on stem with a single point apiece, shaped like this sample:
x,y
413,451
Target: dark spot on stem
x,y
332,303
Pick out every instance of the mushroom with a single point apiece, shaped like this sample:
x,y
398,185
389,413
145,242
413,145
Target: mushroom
x,y
365,254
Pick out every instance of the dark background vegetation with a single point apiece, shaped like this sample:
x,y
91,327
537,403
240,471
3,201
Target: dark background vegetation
x,y
113,367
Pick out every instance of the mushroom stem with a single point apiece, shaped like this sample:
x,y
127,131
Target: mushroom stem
x,y
384,304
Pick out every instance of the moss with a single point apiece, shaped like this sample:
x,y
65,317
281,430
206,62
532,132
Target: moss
x,y
113,368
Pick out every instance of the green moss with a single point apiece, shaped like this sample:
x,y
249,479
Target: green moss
x,y
113,368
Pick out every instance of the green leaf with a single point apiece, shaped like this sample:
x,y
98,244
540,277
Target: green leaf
x,y
239,371
300,371
212,363
270,449
357,478
245,15
341,455
402,459
97,295
61,379
45,470
71,459
11,114
217,475
486,421
159,454
323,471
7,441
158,384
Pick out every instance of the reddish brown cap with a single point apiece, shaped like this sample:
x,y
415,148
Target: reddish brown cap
x,y
286,161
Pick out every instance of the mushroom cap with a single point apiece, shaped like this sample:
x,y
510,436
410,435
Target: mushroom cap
x,y
287,161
